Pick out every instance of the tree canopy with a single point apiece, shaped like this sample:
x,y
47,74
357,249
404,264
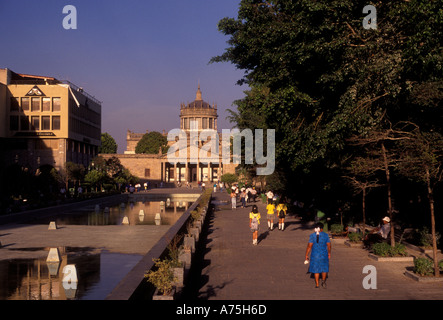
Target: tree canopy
x,y
108,146
152,143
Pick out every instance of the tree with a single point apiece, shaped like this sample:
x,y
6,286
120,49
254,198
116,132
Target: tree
x,y
108,144
422,160
152,143
317,76
229,179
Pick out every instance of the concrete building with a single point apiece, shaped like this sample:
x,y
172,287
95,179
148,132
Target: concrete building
x,y
45,121
194,117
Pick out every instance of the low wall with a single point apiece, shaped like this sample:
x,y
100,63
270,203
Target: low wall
x,y
135,280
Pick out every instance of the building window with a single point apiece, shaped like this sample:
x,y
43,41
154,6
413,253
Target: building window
x,y
13,123
204,123
35,123
56,123
14,104
186,124
46,105
147,173
25,104
56,105
24,123
46,123
211,125
35,104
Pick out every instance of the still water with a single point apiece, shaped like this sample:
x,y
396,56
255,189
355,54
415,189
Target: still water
x,y
98,271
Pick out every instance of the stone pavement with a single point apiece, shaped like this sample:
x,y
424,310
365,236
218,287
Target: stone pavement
x,y
234,269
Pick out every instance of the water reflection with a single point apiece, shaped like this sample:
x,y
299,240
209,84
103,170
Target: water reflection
x,y
36,279
138,213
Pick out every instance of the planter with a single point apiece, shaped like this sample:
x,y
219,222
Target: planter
x,y
354,244
179,273
195,232
158,296
338,239
410,274
198,224
390,259
189,242
420,249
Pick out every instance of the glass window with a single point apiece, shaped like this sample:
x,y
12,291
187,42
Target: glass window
x,y
35,104
211,123
24,123
46,123
56,105
46,105
25,104
14,104
205,123
56,123
13,123
35,123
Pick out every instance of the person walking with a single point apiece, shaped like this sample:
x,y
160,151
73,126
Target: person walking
x,y
270,208
233,200
281,213
243,198
254,223
319,248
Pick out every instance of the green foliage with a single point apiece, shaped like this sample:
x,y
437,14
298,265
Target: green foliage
x,y
423,266
426,238
336,228
174,251
355,236
152,143
229,179
163,276
108,144
384,249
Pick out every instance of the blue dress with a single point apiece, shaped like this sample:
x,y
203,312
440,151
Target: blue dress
x,y
319,261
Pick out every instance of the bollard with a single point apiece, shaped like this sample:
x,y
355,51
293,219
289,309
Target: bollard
x,y
141,213
53,255
125,220
52,226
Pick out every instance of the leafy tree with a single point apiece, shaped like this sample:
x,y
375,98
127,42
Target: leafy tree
x,y
229,179
108,144
422,160
152,143
317,76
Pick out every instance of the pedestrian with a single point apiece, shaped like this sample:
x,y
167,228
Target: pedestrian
x,y
319,248
243,198
270,208
215,187
281,212
254,223
233,200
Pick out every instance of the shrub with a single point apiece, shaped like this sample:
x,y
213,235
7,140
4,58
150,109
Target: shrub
x,y
384,249
163,277
423,266
426,238
336,228
355,237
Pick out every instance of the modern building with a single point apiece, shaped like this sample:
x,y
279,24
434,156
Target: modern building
x,y
45,121
194,117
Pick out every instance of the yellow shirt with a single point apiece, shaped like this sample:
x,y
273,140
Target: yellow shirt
x,y
257,215
270,207
282,206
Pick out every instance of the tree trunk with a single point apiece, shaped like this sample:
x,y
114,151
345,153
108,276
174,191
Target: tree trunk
x,y
364,211
388,182
434,239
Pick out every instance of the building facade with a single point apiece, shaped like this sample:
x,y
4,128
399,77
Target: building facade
x,y
194,118
45,121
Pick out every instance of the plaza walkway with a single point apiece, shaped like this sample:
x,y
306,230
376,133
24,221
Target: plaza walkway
x,y
234,269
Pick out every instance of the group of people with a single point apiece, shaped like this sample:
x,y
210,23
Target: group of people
x,y
245,195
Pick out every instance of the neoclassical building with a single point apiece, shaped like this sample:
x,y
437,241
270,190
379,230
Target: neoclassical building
x,y
195,117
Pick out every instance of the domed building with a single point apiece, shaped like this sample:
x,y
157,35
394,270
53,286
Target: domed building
x,y
195,116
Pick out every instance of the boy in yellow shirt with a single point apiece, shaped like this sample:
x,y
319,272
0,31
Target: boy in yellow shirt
x,y
270,216
254,223
281,212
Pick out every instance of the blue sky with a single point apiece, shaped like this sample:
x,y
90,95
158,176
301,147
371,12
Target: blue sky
x,y
141,58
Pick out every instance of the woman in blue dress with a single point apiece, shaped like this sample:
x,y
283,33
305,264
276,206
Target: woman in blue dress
x,y
319,246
